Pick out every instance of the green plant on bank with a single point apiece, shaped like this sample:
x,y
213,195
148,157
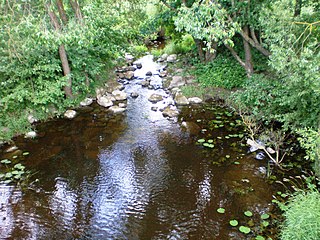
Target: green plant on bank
x,y
310,141
302,214
222,72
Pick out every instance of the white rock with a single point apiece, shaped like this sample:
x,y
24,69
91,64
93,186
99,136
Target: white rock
x,y
164,56
181,99
31,134
129,57
32,119
154,98
195,100
86,102
119,95
169,112
122,105
177,81
172,58
105,101
70,114
116,109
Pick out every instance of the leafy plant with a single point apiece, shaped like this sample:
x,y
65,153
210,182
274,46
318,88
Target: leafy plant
x,y
222,72
301,216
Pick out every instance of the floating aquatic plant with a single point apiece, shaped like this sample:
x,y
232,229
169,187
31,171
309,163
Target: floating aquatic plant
x,y
248,213
244,229
221,210
233,223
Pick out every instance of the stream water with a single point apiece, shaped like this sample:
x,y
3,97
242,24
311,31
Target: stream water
x,y
136,175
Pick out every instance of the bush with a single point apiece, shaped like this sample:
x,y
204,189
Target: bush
x,y
302,215
221,72
183,45
310,141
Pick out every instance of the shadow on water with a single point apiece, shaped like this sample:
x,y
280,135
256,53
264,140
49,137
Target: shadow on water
x,y
134,176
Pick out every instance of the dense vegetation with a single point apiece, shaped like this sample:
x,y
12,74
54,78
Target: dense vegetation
x,y
53,53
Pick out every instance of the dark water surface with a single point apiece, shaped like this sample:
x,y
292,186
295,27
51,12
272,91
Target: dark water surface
x,y
134,176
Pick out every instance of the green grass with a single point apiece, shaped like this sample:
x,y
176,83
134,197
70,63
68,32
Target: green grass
x,y
302,217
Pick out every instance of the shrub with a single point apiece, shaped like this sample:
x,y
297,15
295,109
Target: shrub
x,y
302,214
221,72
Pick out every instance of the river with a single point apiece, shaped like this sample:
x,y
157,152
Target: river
x,y
136,175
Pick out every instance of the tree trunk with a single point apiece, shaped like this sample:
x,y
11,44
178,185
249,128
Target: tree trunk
x,y
297,8
62,54
66,70
76,8
199,45
247,52
62,12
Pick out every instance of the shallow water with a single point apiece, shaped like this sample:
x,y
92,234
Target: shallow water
x,y
136,175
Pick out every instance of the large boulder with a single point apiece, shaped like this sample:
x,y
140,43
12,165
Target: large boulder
x,y
195,100
105,101
172,58
119,95
180,99
177,81
70,114
170,112
86,102
154,98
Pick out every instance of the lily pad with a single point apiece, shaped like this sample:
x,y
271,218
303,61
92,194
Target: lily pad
x,y
25,153
234,223
265,216
210,141
201,140
236,163
265,223
19,166
244,229
227,156
221,210
248,213
259,238
5,161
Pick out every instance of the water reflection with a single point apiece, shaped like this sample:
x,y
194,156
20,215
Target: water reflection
x,y
137,176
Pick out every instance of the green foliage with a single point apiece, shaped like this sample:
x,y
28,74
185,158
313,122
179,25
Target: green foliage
x,y
138,50
31,76
183,45
310,141
222,72
290,94
302,214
